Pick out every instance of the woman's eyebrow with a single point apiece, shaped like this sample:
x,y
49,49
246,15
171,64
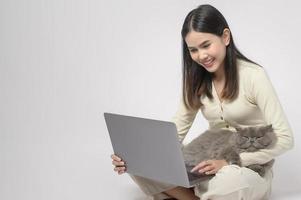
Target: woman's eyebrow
x,y
200,44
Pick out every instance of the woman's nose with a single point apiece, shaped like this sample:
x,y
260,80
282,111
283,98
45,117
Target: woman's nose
x,y
202,56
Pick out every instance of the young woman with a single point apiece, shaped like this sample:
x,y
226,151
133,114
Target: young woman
x,y
230,90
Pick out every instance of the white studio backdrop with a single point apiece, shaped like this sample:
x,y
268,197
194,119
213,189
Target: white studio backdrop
x,y
65,62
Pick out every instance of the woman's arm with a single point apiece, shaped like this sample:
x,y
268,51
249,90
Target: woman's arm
x,y
183,119
264,96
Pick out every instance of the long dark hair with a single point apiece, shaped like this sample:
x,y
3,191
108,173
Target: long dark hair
x,y
197,80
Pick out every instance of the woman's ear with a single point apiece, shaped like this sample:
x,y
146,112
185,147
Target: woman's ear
x,y
226,36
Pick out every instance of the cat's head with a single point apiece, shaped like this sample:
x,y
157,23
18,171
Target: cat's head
x,y
251,139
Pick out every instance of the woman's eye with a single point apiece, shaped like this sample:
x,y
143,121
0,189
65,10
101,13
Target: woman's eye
x,y
192,50
206,46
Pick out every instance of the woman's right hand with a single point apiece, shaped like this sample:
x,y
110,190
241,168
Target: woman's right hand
x,y
119,164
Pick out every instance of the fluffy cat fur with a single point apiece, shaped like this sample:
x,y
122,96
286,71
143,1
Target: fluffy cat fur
x,y
224,144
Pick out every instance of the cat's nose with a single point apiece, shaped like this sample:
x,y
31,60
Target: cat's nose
x,y
252,139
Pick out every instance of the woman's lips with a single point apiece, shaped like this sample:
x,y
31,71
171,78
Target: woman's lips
x,y
208,63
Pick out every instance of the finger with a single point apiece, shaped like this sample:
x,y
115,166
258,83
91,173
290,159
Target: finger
x,y
206,169
210,172
116,163
200,166
117,169
120,172
114,157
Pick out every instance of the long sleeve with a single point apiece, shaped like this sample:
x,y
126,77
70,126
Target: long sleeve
x,y
264,96
183,119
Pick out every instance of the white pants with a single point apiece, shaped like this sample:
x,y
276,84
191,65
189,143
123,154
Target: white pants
x,y
233,182
230,183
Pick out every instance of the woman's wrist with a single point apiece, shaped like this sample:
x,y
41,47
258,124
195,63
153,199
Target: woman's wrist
x,y
229,162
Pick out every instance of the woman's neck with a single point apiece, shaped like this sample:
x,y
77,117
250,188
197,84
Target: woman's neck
x,y
219,75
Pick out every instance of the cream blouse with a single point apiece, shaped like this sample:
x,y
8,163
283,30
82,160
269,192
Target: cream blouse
x,y
256,104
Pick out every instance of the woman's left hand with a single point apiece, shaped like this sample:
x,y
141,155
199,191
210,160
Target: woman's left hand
x,y
209,166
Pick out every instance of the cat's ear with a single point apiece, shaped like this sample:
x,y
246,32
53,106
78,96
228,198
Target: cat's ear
x,y
238,129
268,127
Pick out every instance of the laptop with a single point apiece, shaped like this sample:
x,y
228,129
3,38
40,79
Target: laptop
x,y
151,149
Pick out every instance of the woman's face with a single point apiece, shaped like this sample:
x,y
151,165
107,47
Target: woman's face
x,y
208,50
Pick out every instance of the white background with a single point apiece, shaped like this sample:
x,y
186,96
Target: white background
x,y
65,62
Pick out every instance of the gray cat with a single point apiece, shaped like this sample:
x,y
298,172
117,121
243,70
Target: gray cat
x,y
224,144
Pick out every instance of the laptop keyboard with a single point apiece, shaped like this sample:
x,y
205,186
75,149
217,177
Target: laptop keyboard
x,y
193,176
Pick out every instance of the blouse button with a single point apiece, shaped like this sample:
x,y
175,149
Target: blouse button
x,y
227,126
222,118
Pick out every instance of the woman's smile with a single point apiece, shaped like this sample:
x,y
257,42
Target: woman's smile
x,y
208,63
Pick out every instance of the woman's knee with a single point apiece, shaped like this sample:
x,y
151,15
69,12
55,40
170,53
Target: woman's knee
x,y
235,180
237,177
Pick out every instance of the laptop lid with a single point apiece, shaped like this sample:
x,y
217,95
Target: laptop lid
x,y
149,147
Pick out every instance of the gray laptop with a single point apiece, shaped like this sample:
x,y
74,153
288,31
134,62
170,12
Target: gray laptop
x,y
151,149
